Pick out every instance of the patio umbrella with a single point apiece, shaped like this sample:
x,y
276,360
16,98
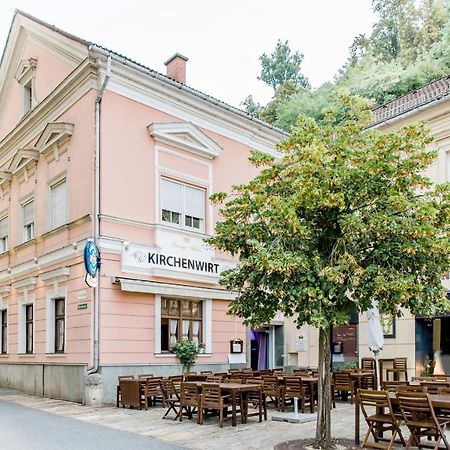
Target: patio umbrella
x,y
375,338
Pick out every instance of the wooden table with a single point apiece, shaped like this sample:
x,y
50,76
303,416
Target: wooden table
x,y
234,389
311,382
359,376
437,400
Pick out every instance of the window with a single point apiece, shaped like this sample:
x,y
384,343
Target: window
x,y
180,319
28,328
60,324
182,205
3,234
27,96
28,221
58,204
4,332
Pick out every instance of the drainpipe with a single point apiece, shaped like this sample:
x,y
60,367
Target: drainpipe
x,y
96,312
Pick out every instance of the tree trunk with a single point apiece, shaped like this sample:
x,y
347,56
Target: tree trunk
x,y
323,430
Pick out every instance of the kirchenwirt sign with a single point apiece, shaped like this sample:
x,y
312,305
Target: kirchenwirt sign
x,y
174,257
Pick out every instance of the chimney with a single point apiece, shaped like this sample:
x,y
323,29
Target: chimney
x,y
176,68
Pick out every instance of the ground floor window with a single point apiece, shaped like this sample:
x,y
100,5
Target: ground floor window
x,y
60,324
28,328
4,332
180,319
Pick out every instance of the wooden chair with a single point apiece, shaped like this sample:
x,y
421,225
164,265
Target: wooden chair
x,y
264,372
130,394
212,399
433,387
413,388
171,398
143,376
393,386
258,400
293,389
272,389
153,391
206,372
118,393
400,367
301,372
380,420
445,390
420,418
214,379
343,383
189,400
369,365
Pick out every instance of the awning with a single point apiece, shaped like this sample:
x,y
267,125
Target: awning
x,y
172,289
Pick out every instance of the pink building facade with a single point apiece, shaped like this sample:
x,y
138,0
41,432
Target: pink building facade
x,y
95,146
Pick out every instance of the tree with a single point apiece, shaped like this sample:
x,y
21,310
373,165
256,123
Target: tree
x,y
345,216
282,66
251,106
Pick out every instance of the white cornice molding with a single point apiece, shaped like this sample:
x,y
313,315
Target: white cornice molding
x,y
25,70
54,138
24,29
27,284
5,290
56,275
186,136
75,86
22,159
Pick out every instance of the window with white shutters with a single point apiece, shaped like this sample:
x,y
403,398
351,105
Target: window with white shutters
x,y
3,234
59,204
182,205
28,221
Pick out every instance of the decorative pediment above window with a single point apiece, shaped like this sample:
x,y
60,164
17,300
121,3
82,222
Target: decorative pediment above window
x,y
186,136
54,138
27,284
23,159
26,70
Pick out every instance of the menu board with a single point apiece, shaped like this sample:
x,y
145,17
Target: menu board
x,y
347,334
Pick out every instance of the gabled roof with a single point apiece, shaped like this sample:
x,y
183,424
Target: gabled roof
x,y
147,70
423,96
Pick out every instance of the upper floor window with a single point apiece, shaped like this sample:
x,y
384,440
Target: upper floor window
x,y
3,234
25,76
182,205
58,204
28,221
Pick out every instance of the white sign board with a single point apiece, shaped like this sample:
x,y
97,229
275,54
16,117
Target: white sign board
x,y
301,345
237,358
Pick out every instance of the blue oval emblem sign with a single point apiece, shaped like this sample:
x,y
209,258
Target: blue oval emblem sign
x,y
91,258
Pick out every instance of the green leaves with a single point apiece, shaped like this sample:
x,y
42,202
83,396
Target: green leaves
x,y
344,211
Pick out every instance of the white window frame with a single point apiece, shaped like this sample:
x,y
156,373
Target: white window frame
x,y
182,224
23,303
50,210
206,322
4,240
23,238
51,296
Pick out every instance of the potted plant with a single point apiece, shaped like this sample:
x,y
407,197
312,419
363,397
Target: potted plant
x,y
201,347
186,351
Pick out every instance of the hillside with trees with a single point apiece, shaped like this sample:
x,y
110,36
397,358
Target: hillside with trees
x,y
407,48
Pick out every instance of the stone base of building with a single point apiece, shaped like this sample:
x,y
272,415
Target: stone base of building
x,y
64,382
69,382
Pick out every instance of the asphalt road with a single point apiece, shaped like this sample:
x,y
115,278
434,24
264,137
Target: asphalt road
x,y
23,428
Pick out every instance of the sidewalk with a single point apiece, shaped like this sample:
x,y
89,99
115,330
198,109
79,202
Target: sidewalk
x,y
188,433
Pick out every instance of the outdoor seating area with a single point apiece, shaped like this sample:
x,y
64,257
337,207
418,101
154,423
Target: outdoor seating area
x,y
235,395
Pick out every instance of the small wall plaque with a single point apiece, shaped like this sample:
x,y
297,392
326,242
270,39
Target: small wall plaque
x,y
236,346
82,306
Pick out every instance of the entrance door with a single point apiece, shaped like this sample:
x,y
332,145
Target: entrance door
x,y
259,349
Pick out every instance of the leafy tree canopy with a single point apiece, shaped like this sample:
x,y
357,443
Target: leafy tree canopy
x,y
281,66
343,217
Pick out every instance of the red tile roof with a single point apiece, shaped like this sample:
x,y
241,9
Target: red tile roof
x,y
425,95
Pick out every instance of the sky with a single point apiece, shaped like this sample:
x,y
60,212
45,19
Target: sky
x,y
223,39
